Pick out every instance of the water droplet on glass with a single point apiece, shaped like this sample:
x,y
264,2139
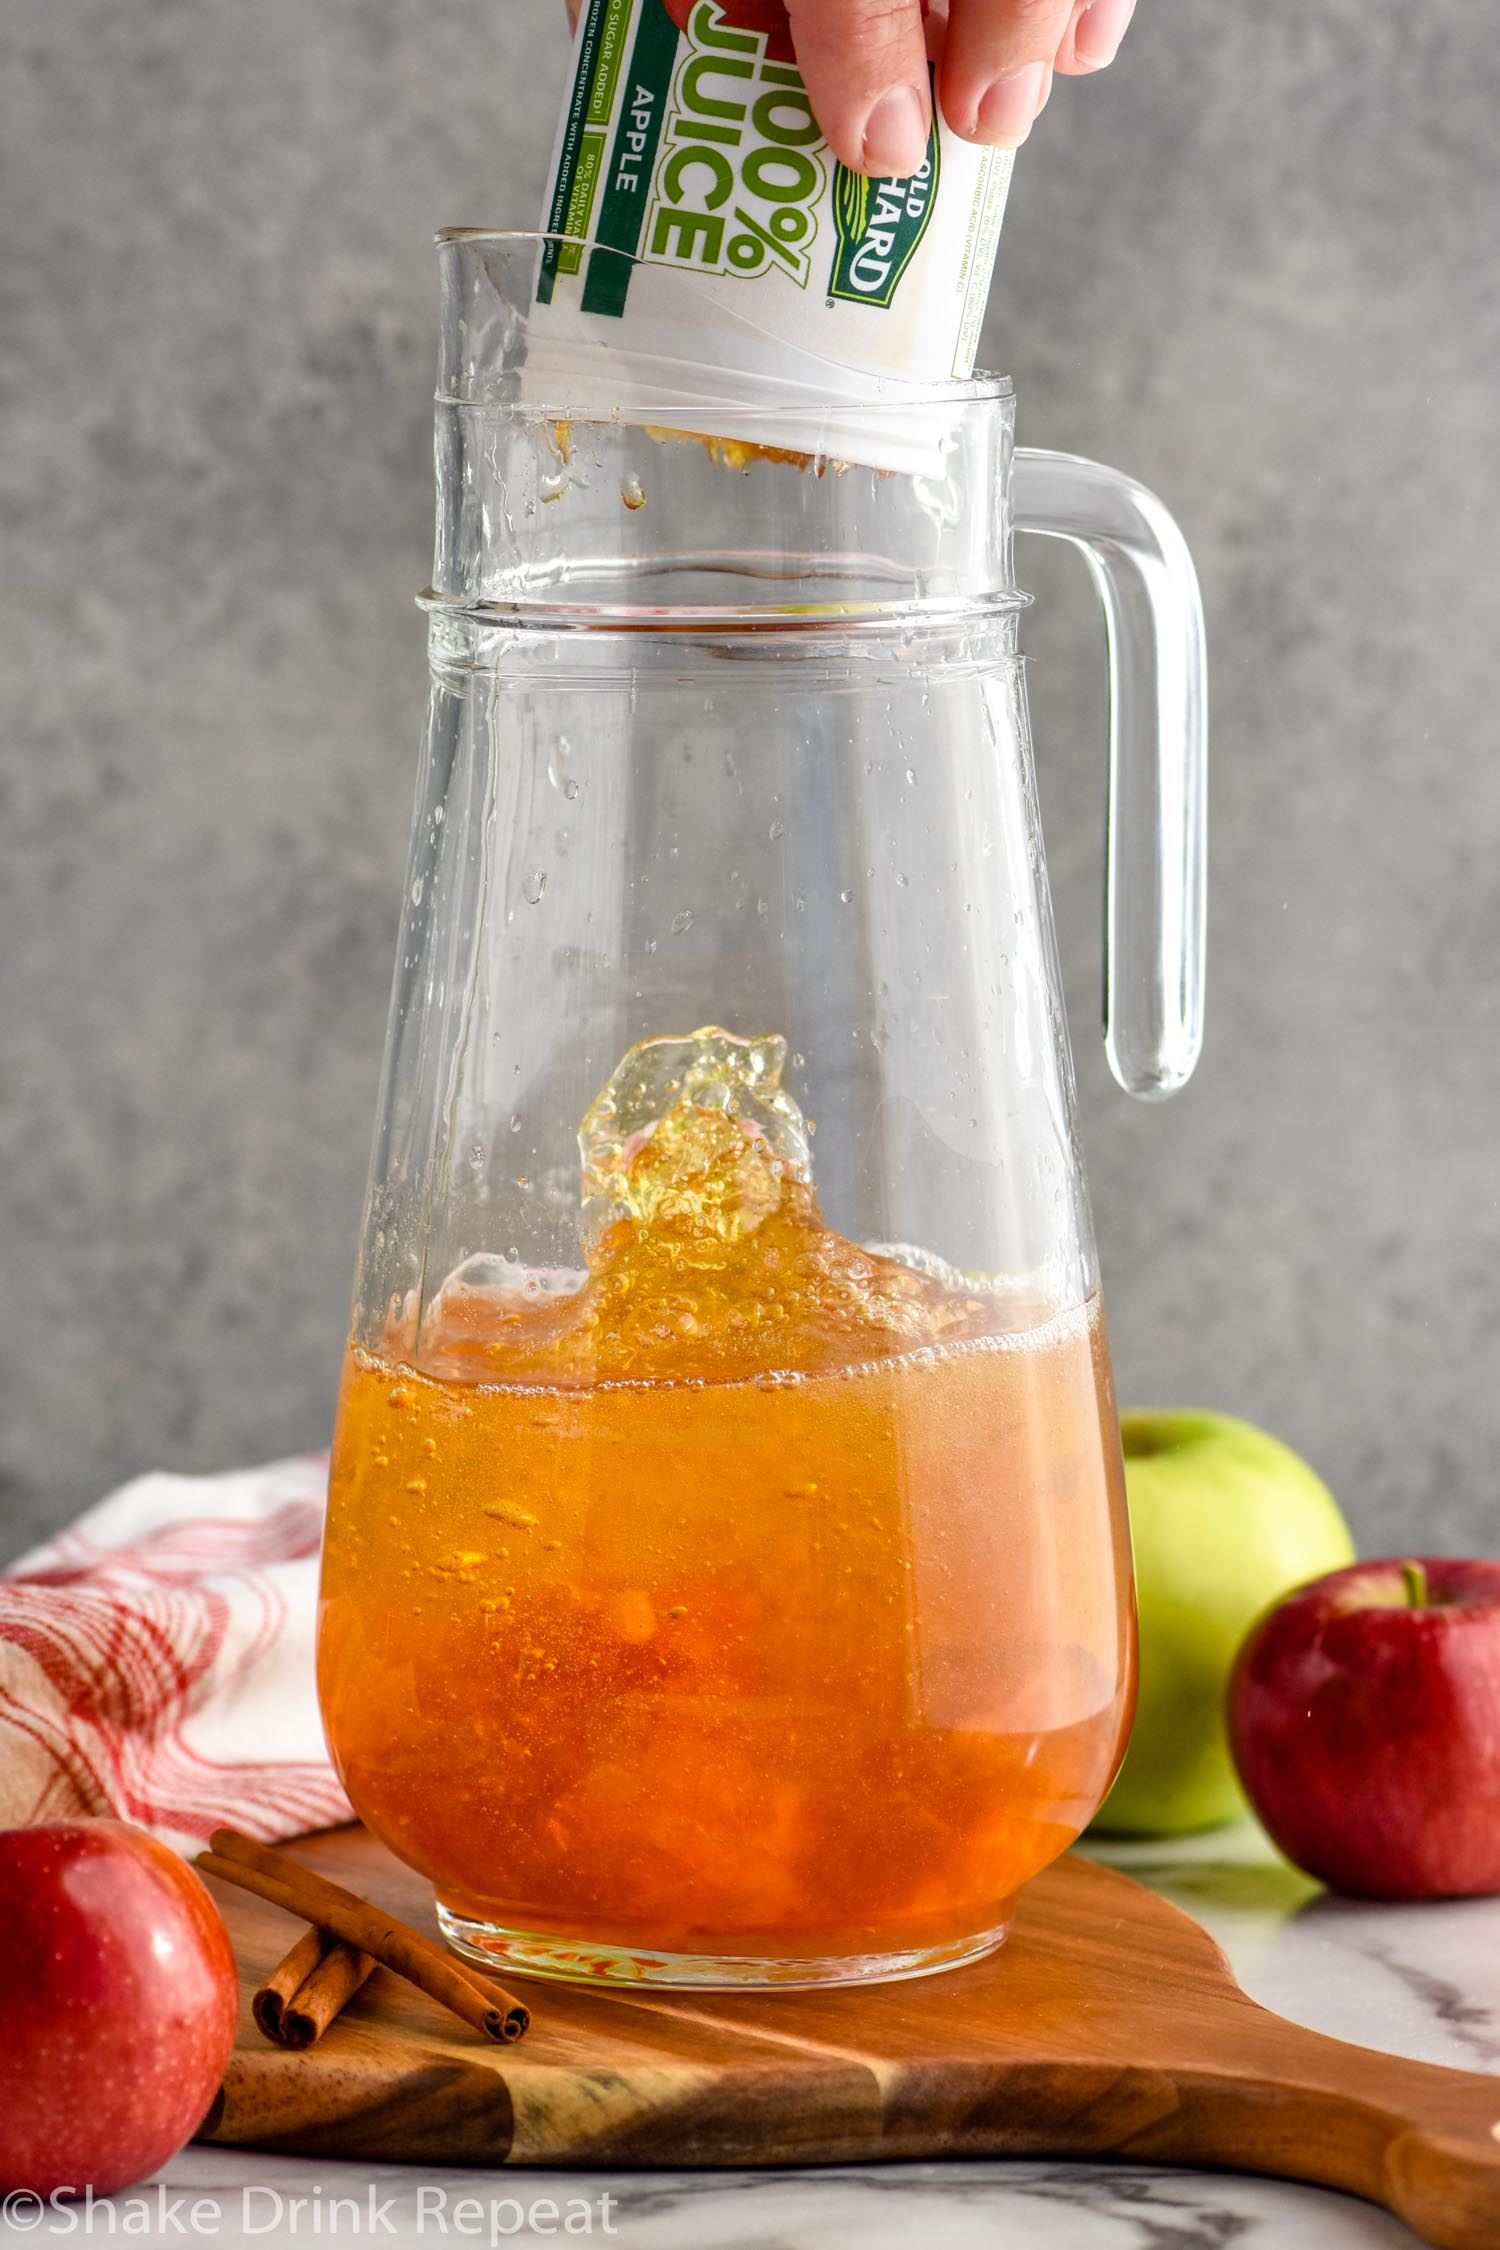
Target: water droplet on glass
x,y
633,493
534,885
683,922
776,831
845,897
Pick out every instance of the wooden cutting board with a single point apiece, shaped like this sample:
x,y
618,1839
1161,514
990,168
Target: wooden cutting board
x,y
1108,2025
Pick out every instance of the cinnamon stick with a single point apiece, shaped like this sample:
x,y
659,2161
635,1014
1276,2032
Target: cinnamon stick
x,y
303,1993
269,2004
336,1979
287,1883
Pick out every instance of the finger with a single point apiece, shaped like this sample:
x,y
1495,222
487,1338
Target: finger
x,y
1092,39
864,64
997,66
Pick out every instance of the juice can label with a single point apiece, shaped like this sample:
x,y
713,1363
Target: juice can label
x,y
709,225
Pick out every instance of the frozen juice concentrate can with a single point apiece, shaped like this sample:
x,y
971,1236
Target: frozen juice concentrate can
x,y
709,253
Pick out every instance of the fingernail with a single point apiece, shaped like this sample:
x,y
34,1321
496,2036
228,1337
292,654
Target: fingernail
x,y
896,130
1011,105
1099,30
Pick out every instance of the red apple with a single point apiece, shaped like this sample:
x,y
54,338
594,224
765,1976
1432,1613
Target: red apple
x,y
117,2005
1364,1716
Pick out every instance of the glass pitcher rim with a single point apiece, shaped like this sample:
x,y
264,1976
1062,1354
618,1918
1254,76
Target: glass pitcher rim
x,y
980,389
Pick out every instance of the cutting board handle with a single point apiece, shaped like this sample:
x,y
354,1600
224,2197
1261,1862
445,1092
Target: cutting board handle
x,y
1446,2186
1420,2138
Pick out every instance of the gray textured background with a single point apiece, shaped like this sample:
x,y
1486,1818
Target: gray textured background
x,y
1258,264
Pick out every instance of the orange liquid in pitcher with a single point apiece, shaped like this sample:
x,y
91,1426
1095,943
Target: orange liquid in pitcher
x,y
759,1596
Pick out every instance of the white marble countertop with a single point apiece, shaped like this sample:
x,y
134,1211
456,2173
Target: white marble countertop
x,y
1421,1981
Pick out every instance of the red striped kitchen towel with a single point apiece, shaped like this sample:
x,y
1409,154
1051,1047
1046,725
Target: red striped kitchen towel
x,y
156,1661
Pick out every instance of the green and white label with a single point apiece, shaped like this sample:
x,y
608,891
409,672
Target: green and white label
x,y
713,235
744,167
715,160
880,224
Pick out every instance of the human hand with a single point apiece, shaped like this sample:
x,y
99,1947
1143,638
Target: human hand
x,y
864,63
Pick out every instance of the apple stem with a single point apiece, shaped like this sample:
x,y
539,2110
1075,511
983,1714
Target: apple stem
x,y
1414,1579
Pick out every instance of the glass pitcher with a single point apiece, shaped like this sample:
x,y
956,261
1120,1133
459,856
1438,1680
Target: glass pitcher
x,y
727,1579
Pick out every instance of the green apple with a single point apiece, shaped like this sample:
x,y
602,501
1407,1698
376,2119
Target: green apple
x,y
1224,1521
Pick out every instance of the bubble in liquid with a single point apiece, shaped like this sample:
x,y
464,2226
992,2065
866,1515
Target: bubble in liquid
x,y
460,1564
518,1518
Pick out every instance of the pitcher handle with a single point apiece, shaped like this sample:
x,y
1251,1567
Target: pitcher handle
x,y
1155,898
